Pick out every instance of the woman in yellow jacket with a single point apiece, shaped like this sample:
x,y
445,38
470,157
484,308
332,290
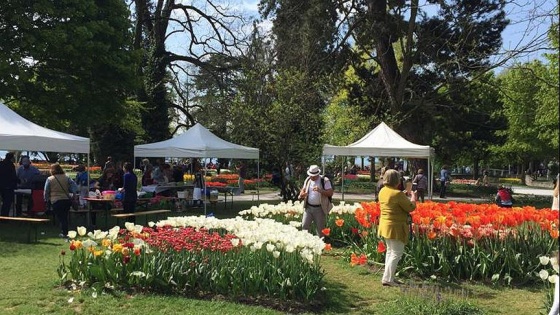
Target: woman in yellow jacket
x,y
393,226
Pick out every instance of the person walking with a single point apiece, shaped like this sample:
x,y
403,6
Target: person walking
x,y
444,180
242,169
420,184
8,183
395,207
58,188
316,192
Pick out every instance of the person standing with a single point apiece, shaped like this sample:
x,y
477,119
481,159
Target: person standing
x,y
555,194
395,207
315,192
82,180
242,169
130,183
109,163
444,180
58,187
421,183
288,172
8,183
25,174
555,308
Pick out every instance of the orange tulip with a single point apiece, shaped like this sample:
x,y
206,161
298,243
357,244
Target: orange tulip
x,y
432,235
326,231
339,222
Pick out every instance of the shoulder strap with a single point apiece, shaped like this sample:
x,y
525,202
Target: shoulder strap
x,y
64,190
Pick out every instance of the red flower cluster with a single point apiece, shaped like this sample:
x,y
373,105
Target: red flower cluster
x,y
190,239
215,184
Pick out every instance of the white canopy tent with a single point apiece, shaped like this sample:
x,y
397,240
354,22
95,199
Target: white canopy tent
x,y
382,141
197,142
18,133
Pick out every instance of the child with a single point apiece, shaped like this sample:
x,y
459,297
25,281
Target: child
x,y
504,198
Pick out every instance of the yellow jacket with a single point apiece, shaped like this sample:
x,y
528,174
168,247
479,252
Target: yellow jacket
x,y
394,206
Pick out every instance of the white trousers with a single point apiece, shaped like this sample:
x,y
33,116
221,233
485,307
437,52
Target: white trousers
x,y
395,250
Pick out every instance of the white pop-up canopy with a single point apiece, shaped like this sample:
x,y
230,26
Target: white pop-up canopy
x,y
18,133
196,142
383,141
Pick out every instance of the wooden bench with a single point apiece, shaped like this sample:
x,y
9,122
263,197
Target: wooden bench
x,y
119,216
30,223
92,211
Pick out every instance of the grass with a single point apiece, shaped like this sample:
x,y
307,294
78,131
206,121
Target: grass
x,y
30,284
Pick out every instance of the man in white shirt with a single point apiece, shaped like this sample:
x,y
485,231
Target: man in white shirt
x,y
316,191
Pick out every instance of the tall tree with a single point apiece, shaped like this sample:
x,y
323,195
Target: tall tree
x,y
420,55
58,58
204,29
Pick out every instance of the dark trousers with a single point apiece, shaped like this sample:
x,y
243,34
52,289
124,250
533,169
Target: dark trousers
x,y
19,202
129,207
443,189
7,200
61,210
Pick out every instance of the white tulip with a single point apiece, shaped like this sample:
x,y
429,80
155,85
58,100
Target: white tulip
x,y
544,260
543,274
81,230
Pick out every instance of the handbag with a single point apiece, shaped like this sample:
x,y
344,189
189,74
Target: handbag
x,y
75,201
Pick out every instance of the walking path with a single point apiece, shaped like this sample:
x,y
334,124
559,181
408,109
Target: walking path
x,y
273,196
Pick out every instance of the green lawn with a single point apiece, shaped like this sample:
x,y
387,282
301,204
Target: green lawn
x,y
30,285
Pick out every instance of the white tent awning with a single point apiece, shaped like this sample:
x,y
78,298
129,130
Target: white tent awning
x,y
381,141
196,142
18,133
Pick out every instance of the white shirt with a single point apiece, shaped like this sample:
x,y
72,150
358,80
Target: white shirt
x,y
313,196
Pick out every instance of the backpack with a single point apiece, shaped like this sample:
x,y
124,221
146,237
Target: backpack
x,y
323,185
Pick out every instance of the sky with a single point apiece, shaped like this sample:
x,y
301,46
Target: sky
x,y
529,23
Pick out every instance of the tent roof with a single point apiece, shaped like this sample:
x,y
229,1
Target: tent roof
x,y
18,133
196,142
381,141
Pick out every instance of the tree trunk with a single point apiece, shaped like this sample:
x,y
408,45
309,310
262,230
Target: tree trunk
x,y
385,52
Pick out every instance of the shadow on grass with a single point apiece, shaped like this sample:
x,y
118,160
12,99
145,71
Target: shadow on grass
x,y
340,300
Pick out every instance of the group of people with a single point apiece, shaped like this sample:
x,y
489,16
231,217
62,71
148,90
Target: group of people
x,y
11,178
59,189
395,206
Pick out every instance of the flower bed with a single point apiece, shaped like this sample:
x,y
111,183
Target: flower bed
x,y
198,255
455,241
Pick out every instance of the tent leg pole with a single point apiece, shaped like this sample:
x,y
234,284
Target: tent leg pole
x,y
342,179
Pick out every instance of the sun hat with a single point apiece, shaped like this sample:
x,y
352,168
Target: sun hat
x,y
313,170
